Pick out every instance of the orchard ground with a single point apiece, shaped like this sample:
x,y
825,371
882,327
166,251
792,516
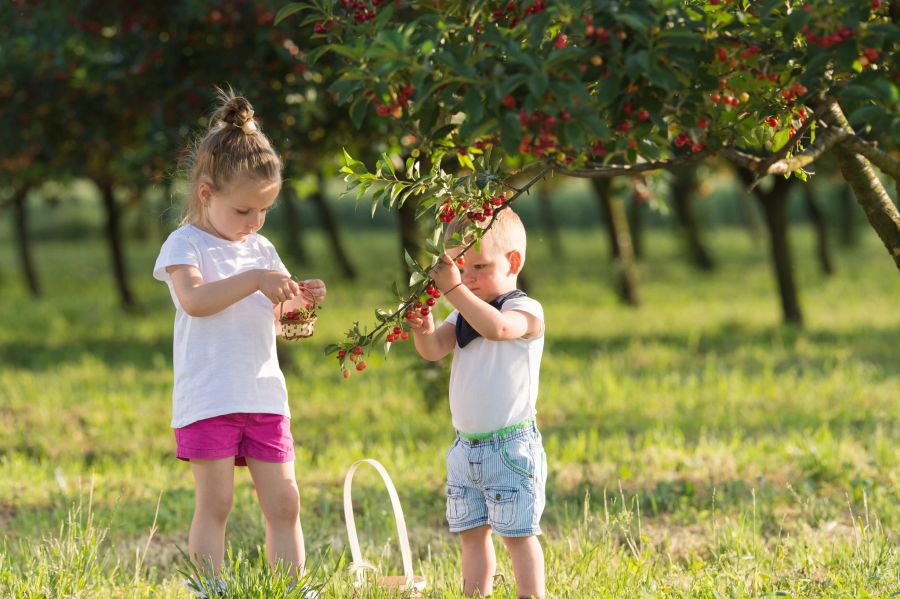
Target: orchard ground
x,y
696,447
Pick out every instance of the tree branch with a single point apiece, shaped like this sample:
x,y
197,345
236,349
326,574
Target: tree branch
x,y
879,158
594,171
826,140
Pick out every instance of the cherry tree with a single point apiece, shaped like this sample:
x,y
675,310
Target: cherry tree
x,y
505,93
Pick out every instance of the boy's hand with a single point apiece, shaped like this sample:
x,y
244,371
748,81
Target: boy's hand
x,y
420,325
445,274
313,290
277,286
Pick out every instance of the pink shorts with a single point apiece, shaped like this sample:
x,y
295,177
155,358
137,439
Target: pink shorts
x,y
265,437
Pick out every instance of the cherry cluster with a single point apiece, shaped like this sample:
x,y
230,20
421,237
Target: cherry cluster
x,y
473,212
423,305
510,15
306,313
395,107
540,133
355,356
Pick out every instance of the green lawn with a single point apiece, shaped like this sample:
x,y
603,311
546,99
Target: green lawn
x,y
697,448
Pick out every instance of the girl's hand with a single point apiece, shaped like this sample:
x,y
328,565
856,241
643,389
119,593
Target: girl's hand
x,y
277,286
445,274
420,325
313,290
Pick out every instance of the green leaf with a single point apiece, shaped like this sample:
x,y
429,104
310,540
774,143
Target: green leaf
x,y
510,133
358,111
412,264
287,10
866,116
632,20
781,138
473,104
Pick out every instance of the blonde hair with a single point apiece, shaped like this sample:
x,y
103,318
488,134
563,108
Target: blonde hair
x,y
505,235
232,146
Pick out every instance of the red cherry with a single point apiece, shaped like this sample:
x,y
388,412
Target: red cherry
x,y
346,374
424,311
342,353
509,101
397,330
404,335
430,301
361,365
357,350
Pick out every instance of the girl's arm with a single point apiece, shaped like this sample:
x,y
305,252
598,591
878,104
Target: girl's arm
x,y
198,298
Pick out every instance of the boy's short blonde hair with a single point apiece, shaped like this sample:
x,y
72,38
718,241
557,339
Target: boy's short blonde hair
x,y
505,235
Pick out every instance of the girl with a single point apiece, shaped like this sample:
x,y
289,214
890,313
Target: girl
x,y
229,400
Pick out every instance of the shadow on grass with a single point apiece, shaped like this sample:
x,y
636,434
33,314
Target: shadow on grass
x,y
44,354
874,345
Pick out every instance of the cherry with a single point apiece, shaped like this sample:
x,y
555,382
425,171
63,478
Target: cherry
x,y
361,365
346,374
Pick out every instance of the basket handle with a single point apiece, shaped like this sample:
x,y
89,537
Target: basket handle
x,y
402,537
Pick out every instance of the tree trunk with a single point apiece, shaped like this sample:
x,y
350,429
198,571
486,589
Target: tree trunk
x,y
293,226
870,193
116,246
636,224
849,232
873,197
548,220
821,227
775,209
23,236
684,186
619,239
326,218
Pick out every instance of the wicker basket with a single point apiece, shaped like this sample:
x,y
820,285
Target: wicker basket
x,y
297,328
408,583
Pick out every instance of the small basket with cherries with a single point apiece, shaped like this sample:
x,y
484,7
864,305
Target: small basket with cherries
x,y
298,323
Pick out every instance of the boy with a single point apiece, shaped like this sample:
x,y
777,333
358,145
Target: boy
x,y
496,468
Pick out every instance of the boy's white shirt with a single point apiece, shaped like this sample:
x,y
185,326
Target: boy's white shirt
x,y
224,363
494,384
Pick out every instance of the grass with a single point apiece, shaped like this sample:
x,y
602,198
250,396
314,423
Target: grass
x,y
697,447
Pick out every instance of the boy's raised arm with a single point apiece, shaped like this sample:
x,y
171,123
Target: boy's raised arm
x,y
491,322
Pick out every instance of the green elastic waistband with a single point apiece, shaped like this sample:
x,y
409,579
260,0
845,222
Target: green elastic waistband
x,y
503,431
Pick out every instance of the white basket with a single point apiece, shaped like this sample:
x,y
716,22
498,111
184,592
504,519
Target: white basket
x,y
408,583
300,328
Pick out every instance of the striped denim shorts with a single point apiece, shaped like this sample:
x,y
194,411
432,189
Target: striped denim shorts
x,y
499,480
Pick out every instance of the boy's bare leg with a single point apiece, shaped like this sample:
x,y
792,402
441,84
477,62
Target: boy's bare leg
x,y
276,488
478,561
527,557
214,481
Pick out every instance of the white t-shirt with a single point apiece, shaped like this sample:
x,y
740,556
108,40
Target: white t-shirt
x,y
494,384
224,363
